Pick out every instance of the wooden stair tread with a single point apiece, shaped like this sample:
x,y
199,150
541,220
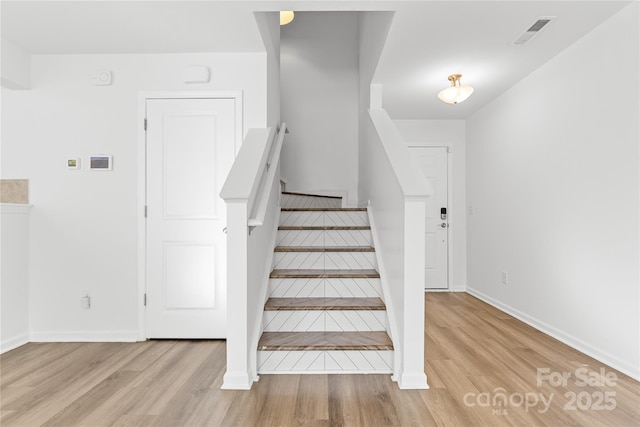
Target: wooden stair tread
x,y
324,227
324,274
324,249
323,209
324,341
290,304
293,193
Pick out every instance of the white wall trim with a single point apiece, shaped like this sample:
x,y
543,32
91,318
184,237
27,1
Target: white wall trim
x,y
413,382
13,342
15,208
142,176
571,341
85,336
264,291
391,314
237,381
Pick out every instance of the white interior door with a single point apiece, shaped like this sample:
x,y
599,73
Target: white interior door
x,y
190,149
433,163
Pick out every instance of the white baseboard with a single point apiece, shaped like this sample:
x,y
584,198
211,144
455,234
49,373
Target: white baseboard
x,y
391,313
413,381
598,354
13,342
237,381
258,327
85,336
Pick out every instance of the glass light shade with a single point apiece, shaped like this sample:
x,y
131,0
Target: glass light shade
x,y
286,16
455,94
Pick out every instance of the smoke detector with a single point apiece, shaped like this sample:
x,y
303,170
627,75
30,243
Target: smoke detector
x,y
534,29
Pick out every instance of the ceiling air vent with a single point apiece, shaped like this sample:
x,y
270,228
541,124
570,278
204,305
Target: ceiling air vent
x,y
533,30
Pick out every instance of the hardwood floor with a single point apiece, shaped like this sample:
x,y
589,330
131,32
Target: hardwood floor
x,y
475,355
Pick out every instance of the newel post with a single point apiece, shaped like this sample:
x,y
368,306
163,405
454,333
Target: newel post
x,y
413,375
238,375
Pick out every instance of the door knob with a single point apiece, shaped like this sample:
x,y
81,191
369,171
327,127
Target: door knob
x,y
443,225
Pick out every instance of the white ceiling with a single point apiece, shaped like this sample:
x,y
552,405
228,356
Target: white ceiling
x,y
79,27
428,40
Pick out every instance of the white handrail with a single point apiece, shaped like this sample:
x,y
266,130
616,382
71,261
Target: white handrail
x,y
271,168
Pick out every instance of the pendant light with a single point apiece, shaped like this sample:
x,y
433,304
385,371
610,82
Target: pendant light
x,y
456,92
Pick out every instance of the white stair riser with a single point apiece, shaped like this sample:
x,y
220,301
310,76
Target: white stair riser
x,y
318,219
324,238
327,321
295,201
330,288
325,260
371,361
330,362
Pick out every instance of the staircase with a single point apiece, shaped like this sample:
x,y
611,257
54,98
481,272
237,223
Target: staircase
x,y
325,312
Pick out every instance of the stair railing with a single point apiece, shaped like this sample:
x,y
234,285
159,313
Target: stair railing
x,y
269,172
251,193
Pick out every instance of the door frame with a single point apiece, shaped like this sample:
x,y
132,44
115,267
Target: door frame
x,y
142,177
450,205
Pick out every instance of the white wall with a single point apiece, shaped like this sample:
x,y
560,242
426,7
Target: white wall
x,y
14,280
269,25
397,192
16,66
447,133
397,197
319,99
84,223
553,181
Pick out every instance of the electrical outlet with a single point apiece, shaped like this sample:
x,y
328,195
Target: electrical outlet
x,y
505,278
470,210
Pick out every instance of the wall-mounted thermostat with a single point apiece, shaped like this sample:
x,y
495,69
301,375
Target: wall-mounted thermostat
x,y
101,77
101,162
73,163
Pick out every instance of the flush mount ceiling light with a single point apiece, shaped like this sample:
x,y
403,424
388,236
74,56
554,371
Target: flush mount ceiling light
x,y
456,92
286,16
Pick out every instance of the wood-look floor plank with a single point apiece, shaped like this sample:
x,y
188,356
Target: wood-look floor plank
x,y
344,407
29,359
123,401
312,403
375,399
167,382
445,410
77,376
202,376
72,414
472,351
281,407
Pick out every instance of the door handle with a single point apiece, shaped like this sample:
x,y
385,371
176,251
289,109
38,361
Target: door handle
x,y
443,225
